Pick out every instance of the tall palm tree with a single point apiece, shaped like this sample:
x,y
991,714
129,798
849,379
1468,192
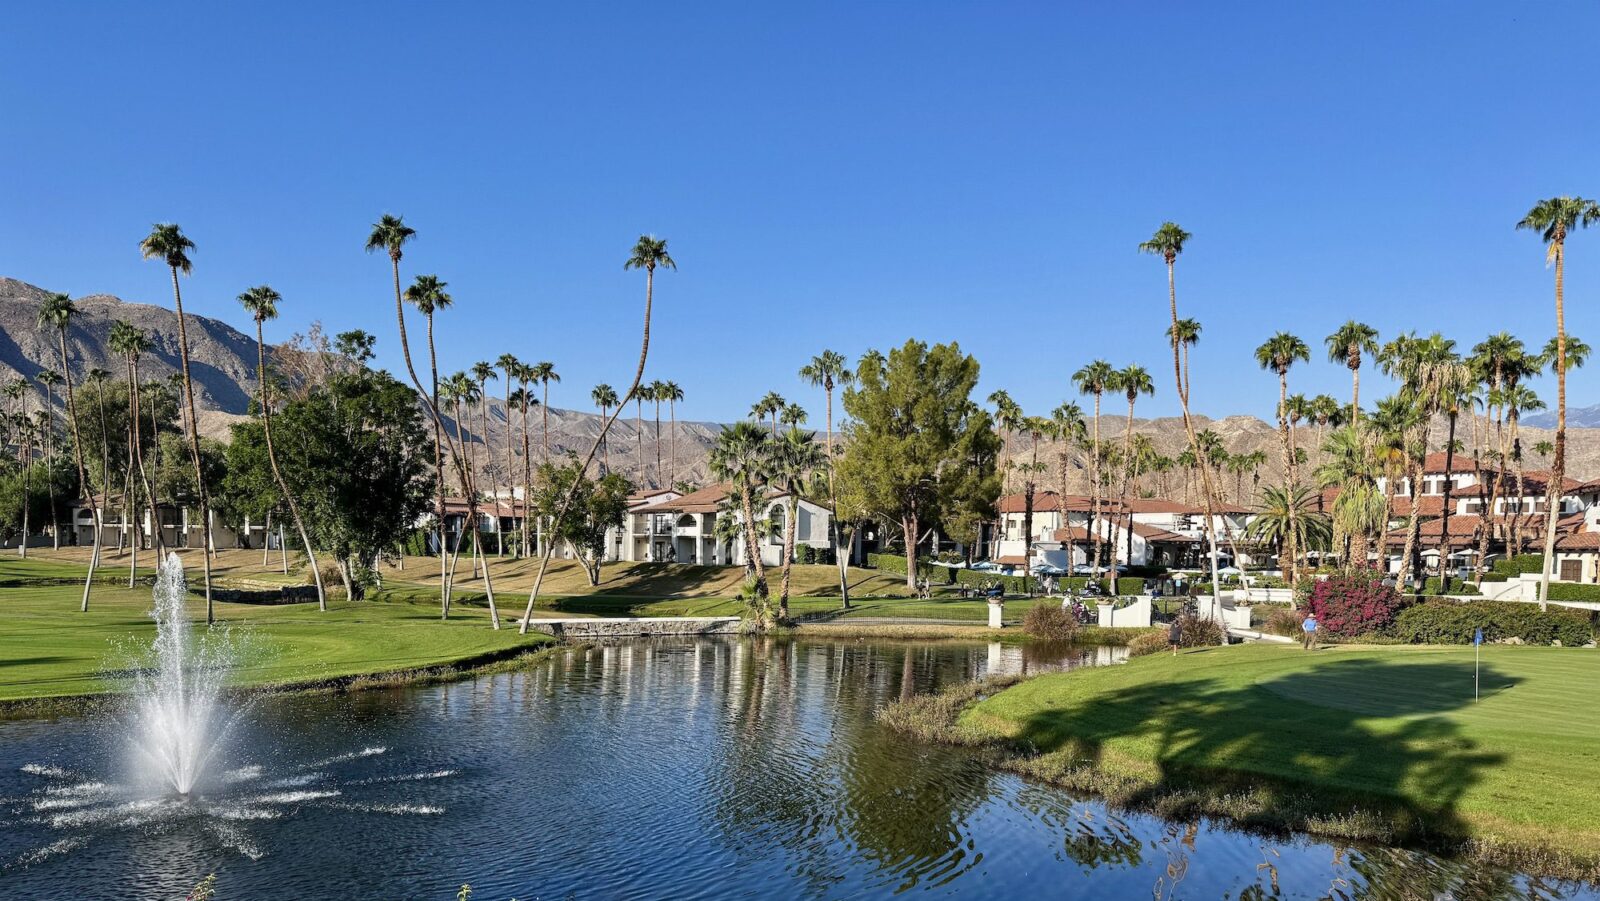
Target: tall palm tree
x,y
640,394
1554,218
168,243
649,253
56,313
1168,243
1519,399
604,397
49,378
795,455
132,343
482,372
508,364
1132,380
657,392
97,378
544,373
18,391
427,293
1287,519
1279,353
516,402
769,406
261,302
1007,418
525,379
829,370
672,393
1454,385
1095,379
1346,345
462,391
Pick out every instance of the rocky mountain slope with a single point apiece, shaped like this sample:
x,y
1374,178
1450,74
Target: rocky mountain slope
x,y
222,359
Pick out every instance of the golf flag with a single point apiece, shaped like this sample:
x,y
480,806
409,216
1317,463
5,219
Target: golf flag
x,y
1477,637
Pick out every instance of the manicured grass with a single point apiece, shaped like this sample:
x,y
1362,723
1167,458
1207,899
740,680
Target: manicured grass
x,y
1393,725
48,649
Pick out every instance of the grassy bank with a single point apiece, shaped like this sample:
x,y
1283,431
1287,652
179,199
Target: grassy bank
x,y
50,650
1382,744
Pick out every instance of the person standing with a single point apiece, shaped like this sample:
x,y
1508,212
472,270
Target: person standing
x,y
1308,631
1175,636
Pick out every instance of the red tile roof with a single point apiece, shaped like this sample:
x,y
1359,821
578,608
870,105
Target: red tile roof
x,y
1048,501
706,500
1579,541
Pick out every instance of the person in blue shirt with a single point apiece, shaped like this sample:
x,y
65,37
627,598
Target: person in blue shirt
x,y
1308,629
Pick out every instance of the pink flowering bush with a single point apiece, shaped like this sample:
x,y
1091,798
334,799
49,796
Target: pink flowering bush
x,y
1351,603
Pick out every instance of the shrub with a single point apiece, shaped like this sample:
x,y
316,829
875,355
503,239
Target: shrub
x,y
1434,587
1200,633
1283,621
1147,643
1574,591
896,565
1495,577
1351,603
1521,563
1049,621
1449,622
1146,572
332,580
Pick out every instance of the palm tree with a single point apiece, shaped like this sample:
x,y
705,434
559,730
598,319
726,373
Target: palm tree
x,y
1168,243
1287,519
743,457
509,364
1353,465
390,234
18,391
604,397
56,313
657,394
133,343
639,396
1346,345
1132,380
516,402
672,394
649,253
483,372
525,379
795,455
544,373
1007,419
1278,354
1095,379
771,405
261,302
167,242
462,391
49,378
829,370
97,378
1554,218
428,295
1519,399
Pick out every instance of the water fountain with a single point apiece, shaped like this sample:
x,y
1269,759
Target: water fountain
x,y
182,769
181,721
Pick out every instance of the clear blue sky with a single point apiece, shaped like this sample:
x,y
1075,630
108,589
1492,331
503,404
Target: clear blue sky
x,y
839,175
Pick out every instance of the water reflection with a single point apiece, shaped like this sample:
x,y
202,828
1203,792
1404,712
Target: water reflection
x,y
710,768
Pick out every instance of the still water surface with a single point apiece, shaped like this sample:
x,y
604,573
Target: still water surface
x,y
707,768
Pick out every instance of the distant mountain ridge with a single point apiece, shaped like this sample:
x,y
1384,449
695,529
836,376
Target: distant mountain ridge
x,y
223,358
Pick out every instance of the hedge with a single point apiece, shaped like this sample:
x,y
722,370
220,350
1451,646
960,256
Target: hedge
x,y
1450,622
1015,584
896,564
1574,591
1495,577
1520,563
1433,587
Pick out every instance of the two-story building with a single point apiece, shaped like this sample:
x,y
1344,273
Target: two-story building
x,y
1162,532
668,527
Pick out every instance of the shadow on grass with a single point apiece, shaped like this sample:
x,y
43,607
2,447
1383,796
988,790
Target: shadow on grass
x,y
1355,748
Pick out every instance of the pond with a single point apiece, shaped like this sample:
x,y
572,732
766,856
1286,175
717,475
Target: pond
x,y
705,768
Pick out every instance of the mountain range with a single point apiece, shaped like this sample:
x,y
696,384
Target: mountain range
x,y
223,358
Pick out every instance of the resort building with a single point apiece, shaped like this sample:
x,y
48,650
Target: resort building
x,y
669,527
1139,532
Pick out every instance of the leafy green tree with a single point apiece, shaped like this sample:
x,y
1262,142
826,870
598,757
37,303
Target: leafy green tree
x,y
1555,219
596,505
168,243
354,456
921,447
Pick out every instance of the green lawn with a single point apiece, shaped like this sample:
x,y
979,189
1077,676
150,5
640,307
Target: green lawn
x,y
1521,768
49,649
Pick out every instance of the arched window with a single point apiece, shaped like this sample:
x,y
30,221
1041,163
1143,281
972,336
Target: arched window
x,y
775,517
686,521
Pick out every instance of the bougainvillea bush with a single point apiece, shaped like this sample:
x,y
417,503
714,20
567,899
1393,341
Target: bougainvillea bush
x,y
1351,603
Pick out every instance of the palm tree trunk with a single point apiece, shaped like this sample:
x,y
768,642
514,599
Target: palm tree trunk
x,y
83,476
1180,370
566,501
527,473
129,511
432,399
1355,392
638,434
1095,540
1444,521
788,553
511,489
658,440
158,540
544,417
1558,468
1292,551
50,454
194,451
277,474
672,410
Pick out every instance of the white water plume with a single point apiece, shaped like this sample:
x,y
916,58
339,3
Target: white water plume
x,y
180,720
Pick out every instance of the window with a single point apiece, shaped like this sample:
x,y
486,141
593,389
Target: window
x,y
775,518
